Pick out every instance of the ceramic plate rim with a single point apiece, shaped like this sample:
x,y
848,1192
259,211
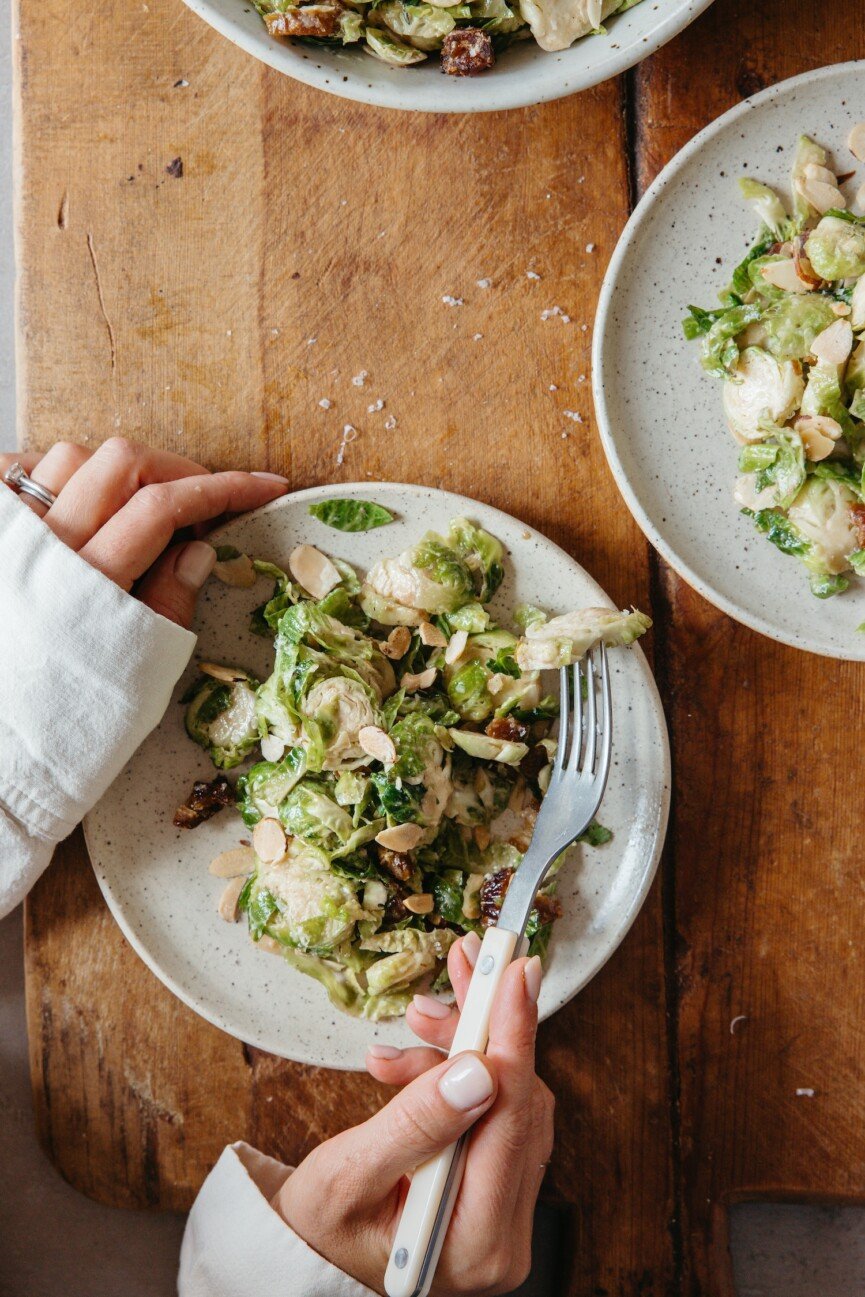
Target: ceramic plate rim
x,y
564,84
600,369
654,847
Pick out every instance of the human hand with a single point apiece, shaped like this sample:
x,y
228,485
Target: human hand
x,y
345,1198
119,506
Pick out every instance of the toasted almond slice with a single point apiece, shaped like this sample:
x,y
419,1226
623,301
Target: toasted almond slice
x,y
397,643
313,570
841,308
431,635
496,683
377,743
814,171
228,900
269,840
421,904
269,944
471,906
402,837
821,195
783,274
234,863
238,572
856,141
228,675
422,680
456,646
834,344
272,748
804,269
481,836
819,433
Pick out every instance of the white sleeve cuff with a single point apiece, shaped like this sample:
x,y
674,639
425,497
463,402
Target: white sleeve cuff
x,y
87,674
236,1244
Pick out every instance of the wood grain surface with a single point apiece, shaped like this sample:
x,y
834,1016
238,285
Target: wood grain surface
x,y
310,239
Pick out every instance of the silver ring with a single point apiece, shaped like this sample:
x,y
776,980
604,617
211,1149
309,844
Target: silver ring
x,y
20,481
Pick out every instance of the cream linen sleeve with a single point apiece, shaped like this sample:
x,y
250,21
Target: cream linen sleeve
x,y
236,1245
87,672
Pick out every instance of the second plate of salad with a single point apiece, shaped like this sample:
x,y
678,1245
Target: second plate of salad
x,y
353,764
729,366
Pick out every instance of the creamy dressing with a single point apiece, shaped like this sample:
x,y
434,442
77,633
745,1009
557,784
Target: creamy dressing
x,y
556,24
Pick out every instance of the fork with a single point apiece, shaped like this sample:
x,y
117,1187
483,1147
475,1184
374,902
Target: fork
x,y
576,787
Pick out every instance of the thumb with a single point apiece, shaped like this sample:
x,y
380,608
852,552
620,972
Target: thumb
x,y
423,1119
172,584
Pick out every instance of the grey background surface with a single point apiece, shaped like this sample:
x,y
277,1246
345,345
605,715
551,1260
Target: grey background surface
x,y
55,1243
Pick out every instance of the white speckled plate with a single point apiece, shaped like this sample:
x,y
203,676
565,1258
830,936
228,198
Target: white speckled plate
x,y
155,877
524,74
660,415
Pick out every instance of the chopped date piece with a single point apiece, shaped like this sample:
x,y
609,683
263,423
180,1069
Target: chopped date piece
x,y
396,863
507,728
858,513
205,800
534,761
548,908
467,51
318,21
492,893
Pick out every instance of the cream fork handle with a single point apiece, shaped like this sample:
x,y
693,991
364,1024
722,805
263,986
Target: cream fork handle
x,y
426,1212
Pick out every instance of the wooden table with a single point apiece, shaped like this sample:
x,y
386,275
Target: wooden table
x,y
309,239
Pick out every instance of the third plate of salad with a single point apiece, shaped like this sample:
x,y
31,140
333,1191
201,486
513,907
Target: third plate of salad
x,y
729,366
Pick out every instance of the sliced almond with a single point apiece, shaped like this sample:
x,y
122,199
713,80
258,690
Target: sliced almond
x,y
228,900
456,646
431,635
269,840
856,141
272,748
819,433
496,683
402,837
471,900
313,570
481,836
397,643
234,863
421,904
834,344
377,744
840,308
228,675
422,680
814,171
238,572
804,269
783,274
820,195
269,944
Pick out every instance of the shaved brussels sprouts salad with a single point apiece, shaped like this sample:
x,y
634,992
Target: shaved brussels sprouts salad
x,y
467,33
400,750
787,343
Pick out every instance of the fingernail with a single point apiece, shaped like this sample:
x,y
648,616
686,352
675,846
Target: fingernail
x,y
272,477
384,1051
532,974
471,947
195,564
430,1007
467,1084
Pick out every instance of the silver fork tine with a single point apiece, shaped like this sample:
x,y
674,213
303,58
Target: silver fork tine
x,y
564,709
606,714
577,743
591,717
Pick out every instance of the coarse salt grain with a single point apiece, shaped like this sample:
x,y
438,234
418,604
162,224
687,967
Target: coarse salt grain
x,y
390,423
375,407
477,337
484,283
590,247
553,387
360,379
573,414
553,311
349,434
805,1092
532,274
452,301
325,403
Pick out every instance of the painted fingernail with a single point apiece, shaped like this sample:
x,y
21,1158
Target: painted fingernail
x,y
471,947
384,1051
430,1007
272,477
467,1084
195,564
532,974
